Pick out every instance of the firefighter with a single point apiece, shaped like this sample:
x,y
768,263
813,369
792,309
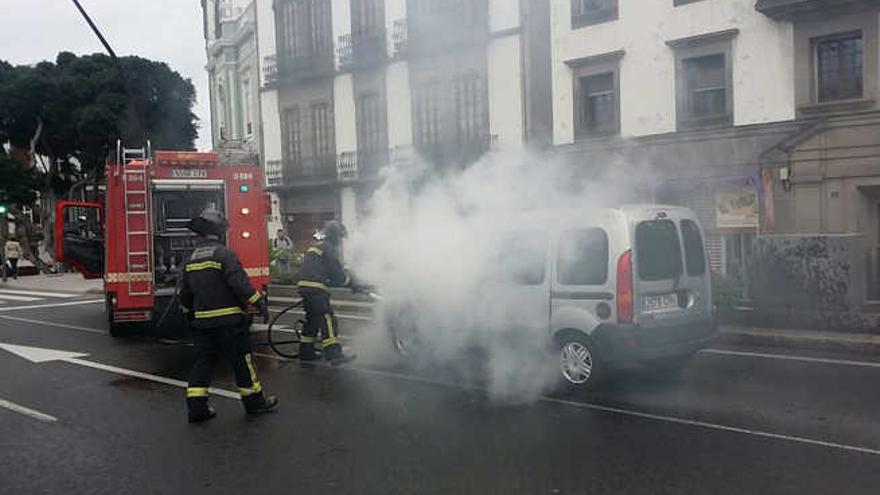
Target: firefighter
x,y
321,269
216,295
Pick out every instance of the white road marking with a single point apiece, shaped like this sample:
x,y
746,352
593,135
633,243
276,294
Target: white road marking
x,y
787,357
27,411
53,324
41,355
612,410
7,297
35,293
53,305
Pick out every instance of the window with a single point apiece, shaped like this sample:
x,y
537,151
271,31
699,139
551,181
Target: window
x,y
370,123
587,12
839,67
367,17
705,86
694,253
523,257
319,25
583,257
658,250
291,46
292,129
322,130
426,107
597,104
468,101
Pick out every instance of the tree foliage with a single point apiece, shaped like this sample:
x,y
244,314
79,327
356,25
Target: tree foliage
x,y
84,104
60,120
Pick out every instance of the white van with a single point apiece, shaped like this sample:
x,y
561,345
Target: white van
x,y
606,288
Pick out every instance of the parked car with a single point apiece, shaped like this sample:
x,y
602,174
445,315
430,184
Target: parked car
x,y
603,289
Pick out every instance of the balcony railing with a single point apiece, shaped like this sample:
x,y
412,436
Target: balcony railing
x,y
361,49
274,173
270,70
361,165
308,65
455,24
306,171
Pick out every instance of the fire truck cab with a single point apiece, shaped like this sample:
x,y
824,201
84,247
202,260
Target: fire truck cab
x,y
137,240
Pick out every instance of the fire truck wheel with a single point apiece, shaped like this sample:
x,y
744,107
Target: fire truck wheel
x,y
116,329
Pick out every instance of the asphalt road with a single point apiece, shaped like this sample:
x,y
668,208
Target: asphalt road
x,y
737,421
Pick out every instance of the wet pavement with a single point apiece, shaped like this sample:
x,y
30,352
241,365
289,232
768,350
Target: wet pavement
x,y
736,421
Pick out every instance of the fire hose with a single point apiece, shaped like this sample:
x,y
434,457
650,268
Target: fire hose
x,y
284,340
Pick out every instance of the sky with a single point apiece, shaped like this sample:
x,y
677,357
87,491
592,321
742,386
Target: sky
x,y
164,30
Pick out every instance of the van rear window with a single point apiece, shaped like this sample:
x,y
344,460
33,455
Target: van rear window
x,y
693,248
658,250
583,257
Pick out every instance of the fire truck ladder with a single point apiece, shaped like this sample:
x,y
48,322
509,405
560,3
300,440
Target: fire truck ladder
x,y
137,222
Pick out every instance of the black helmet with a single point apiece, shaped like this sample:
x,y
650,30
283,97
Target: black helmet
x,y
210,222
333,232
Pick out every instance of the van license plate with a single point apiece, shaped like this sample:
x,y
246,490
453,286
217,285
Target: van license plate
x,y
662,302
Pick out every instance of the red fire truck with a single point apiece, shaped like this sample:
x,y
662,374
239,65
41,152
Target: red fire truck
x,y
137,240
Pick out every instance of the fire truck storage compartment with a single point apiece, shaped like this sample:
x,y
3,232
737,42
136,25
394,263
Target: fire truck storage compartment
x,y
175,202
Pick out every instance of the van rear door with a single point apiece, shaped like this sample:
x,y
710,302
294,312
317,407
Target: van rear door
x,y
662,290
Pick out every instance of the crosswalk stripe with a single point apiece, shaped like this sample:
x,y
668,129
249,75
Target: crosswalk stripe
x,y
16,292
4,297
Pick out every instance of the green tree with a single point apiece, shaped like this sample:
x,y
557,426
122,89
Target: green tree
x,y
64,118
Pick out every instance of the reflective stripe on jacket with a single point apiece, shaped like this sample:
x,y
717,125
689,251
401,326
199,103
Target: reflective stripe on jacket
x,y
322,269
216,290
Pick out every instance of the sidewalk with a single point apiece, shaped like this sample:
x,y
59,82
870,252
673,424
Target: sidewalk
x,y
73,283
829,341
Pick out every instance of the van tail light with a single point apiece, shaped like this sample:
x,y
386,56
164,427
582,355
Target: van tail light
x,y
625,296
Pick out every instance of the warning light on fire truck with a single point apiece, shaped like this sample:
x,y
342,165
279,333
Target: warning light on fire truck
x,y
246,234
245,211
244,188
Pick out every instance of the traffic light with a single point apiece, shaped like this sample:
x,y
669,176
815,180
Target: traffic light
x,y
3,209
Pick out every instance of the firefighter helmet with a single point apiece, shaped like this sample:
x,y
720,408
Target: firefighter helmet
x,y
334,231
210,222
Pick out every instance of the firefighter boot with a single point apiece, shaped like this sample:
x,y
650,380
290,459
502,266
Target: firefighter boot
x,y
334,354
307,352
199,410
258,404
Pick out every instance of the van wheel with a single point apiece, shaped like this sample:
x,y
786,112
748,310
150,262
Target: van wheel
x,y
579,366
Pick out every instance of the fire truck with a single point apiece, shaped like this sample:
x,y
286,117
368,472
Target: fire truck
x,y
137,240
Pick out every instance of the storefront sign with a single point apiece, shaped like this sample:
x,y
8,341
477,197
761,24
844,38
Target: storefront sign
x,y
737,207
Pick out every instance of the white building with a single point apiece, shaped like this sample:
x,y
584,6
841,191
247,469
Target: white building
x,y
233,69
761,115
351,84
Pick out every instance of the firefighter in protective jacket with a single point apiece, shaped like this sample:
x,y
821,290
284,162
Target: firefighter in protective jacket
x,y
216,295
321,269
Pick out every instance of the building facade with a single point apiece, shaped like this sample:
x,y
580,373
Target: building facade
x,y
233,68
356,84
762,116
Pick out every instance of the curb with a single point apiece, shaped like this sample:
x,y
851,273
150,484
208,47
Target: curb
x,y
862,344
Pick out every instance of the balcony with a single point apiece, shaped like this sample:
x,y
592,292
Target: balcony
x,y
361,49
453,25
274,173
805,10
306,66
361,165
305,172
270,70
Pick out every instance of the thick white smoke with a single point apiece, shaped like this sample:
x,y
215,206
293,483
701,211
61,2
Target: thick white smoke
x,y
438,243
